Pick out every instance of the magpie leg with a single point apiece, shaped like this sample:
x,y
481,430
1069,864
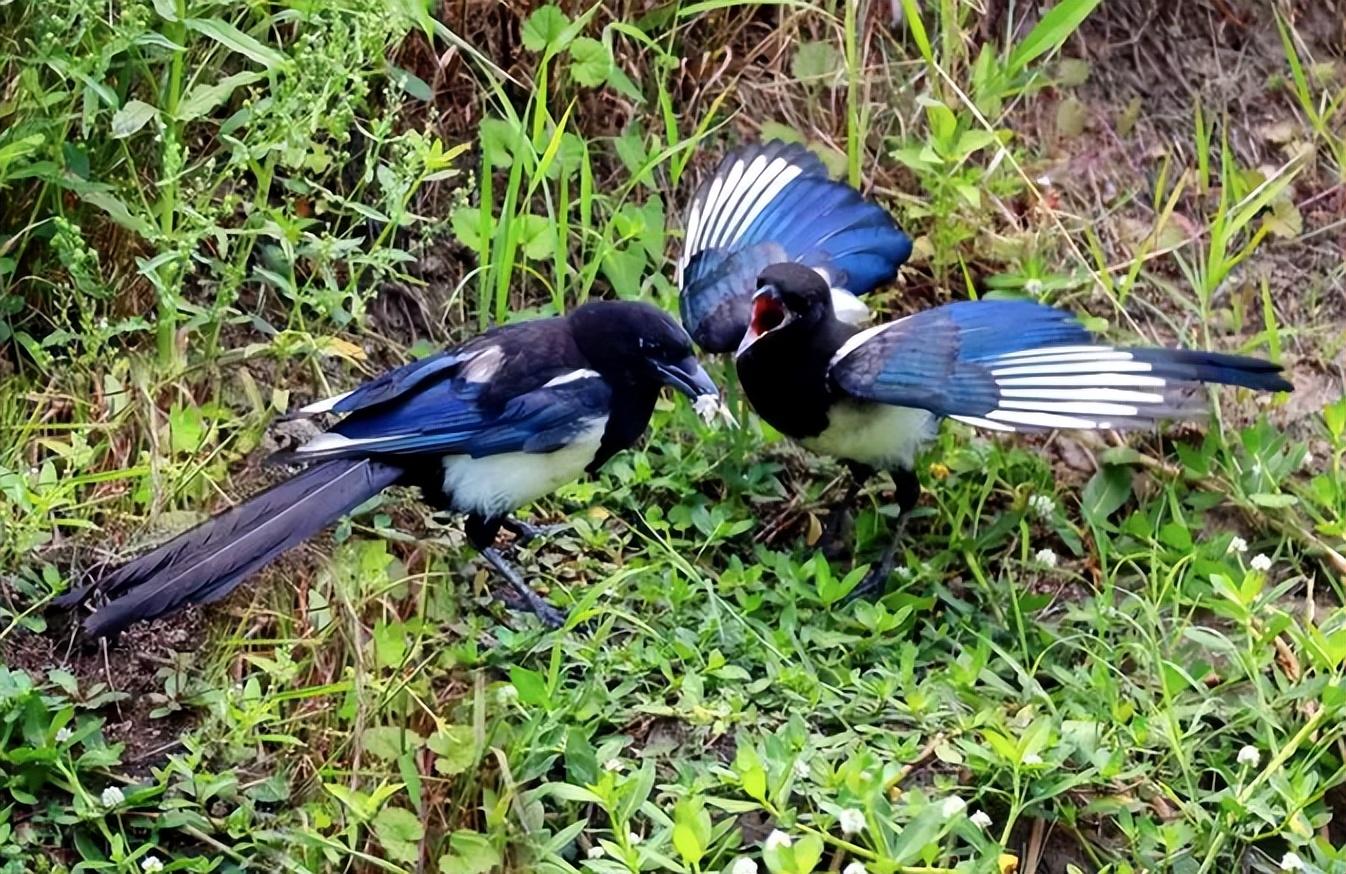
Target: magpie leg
x,y
525,533
535,603
908,494
878,575
830,543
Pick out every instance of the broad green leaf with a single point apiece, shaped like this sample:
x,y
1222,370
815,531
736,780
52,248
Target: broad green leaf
x,y
203,98
818,62
590,61
532,688
399,832
545,29
131,118
538,237
236,40
1105,492
455,747
387,742
472,853
187,429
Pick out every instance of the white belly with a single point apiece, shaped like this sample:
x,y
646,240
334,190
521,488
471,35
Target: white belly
x,y
500,484
878,435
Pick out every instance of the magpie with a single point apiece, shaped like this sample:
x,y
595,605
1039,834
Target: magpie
x,y
776,255
481,429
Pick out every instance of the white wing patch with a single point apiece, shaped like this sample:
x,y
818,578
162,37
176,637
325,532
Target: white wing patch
x,y
572,376
1076,387
730,201
325,405
849,308
482,366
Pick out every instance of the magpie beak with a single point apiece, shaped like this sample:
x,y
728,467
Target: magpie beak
x,y
768,313
688,377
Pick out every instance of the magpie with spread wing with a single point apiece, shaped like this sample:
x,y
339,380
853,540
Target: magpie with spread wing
x,y
773,267
481,429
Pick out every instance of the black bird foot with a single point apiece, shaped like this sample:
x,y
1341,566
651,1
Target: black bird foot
x,y
869,586
833,543
522,595
525,532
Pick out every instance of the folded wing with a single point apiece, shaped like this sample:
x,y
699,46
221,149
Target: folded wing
x,y
1022,366
770,203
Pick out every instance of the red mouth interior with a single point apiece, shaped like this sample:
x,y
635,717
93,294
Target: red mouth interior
x,y
767,313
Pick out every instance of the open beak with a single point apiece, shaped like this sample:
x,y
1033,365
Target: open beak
x,y
768,313
688,377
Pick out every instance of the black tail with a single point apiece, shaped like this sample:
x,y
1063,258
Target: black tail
x,y
209,561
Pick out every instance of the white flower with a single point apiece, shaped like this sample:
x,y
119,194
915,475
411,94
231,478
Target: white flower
x,y
855,868
1238,544
150,864
1042,506
1045,557
63,735
981,819
1291,862
852,821
633,838
744,866
1249,755
777,839
801,769
1260,563
112,796
595,852
1308,459
907,573
952,806
1032,759
613,764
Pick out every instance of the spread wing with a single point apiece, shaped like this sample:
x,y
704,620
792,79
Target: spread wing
x,y
770,203
1022,366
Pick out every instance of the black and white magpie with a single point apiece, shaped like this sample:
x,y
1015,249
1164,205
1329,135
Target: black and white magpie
x,y
872,397
481,429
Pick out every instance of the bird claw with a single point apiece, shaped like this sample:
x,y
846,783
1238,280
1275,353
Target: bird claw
x,y
525,532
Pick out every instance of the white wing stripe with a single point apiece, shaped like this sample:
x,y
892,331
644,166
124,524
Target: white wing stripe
x,y
572,376
1084,394
717,206
1045,420
1062,357
858,340
1043,350
1083,408
977,422
775,178
325,404
1090,380
742,199
1075,367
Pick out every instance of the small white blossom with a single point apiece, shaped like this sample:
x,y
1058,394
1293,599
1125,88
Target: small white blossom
x,y
1033,286
633,838
1042,506
852,821
1292,862
907,574
613,764
777,839
1032,759
1307,461
1249,755
1045,557
801,769
1238,544
112,796
150,864
595,852
63,735
1260,563
981,819
855,868
952,806
744,866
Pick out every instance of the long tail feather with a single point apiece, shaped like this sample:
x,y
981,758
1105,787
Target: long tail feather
x,y
209,561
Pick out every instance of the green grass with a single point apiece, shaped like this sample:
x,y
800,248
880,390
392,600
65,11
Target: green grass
x,y
1096,655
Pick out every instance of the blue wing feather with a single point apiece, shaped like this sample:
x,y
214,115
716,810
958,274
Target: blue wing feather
x,y
811,218
1018,365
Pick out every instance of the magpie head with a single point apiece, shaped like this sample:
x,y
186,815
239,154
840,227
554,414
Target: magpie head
x,y
790,297
634,342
